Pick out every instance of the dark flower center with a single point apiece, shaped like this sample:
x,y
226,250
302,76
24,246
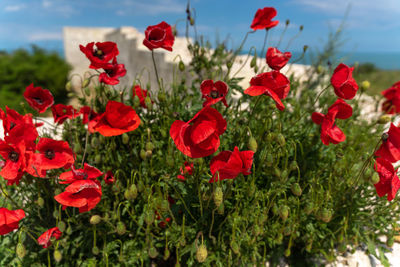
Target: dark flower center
x,y
38,100
156,34
13,156
98,53
49,154
214,94
110,72
81,175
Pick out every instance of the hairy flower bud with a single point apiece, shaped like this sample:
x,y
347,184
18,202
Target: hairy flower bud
x,y
365,85
57,255
284,212
281,139
252,145
296,189
61,226
384,119
125,138
20,250
181,66
375,178
253,62
85,83
40,202
95,219
326,215
153,253
218,196
149,217
161,96
121,228
68,86
143,154
235,247
201,253
148,103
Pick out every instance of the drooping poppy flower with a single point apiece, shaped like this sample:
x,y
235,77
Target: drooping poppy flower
x,y
159,36
390,148
62,112
112,73
273,84
9,220
389,182
188,169
15,158
141,93
213,92
88,172
101,55
229,164
45,239
199,137
276,60
330,133
263,19
88,114
38,98
343,82
116,120
392,102
109,178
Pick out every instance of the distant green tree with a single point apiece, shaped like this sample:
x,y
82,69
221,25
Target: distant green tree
x,y
38,66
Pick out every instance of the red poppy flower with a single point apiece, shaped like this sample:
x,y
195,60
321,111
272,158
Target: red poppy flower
x,y
229,164
276,60
263,19
199,137
159,36
88,172
15,159
62,112
88,114
213,92
392,102
188,169
38,98
16,180
343,82
273,84
112,73
109,178
45,239
9,220
118,119
101,55
390,148
389,182
141,93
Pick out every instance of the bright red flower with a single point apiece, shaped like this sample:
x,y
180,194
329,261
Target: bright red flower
x,y
88,114
112,73
330,133
229,164
273,84
116,120
213,92
141,93
392,102
9,220
188,169
343,82
88,172
45,239
101,55
390,148
109,178
276,60
199,137
389,182
38,98
263,19
159,36
15,157
62,112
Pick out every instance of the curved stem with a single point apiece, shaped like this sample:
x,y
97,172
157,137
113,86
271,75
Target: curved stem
x,y
155,69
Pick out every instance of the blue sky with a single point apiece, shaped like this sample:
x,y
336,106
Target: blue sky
x,y
371,26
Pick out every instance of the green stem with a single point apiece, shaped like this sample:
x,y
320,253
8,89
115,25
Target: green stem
x,y
155,69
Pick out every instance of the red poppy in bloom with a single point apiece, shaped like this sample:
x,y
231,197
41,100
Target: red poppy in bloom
x,y
390,148
141,93
159,36
45,239
229,164
116,120
330,133
112,73
389,182
9,220
392,102
38,98
273,84
343,82
101,55
88,114
109,178
88,172
15,159
213,92
263,19
276,60
188,169
199,137
62,112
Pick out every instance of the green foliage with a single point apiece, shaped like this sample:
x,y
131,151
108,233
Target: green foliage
x,y
21,68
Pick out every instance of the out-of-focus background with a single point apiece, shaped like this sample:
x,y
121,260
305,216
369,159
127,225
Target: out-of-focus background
x,y
39,38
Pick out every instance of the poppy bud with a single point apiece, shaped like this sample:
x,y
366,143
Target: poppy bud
x,y
191,20
279,238
309,208
229,64
301,27
133,191
252,144
287,252
287,22
85,83
305,48
68,86
275,209
365,85
164,205
95,219
148,103
218,196
87,91
97,159
320,69
384,119
20,250
149,146
153,253
78,148
281,139
296,189
40,202
253,62
235,247
174,31
94,142
293,165
166,254
143,154
181,66
136,101
61,226
326,215
256,69
71,95
375,178
149,153
57,255
69,230
140,186
121,228
95,250
284,212
182,241
161,96
125,138
149,217
201,253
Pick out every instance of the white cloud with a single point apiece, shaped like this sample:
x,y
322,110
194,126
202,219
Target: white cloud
x,y
45,36
14,8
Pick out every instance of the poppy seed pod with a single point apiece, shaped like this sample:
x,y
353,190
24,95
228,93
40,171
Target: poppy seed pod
x,y
201,253
374,178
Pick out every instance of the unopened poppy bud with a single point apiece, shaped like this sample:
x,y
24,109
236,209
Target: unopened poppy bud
x,y
229,64
284,212
133,191
320,69
95,219
287,22
68,86
149,153
94,142
148,86
252,145
181,66
287,252
221,209
20,250
279,238
384,136
218,196
235,247
384,119
301,27
281,139
174,31
121,228
269,160
87,91
140,186
95,250
57,255
125,138
78,148
61,226
375,178
365,85
69,230
136,101
164,205
97,159
309,208
201,253
182,241
161,96
326,215
40,202
296,189
149,146
153,253
191,20
167,253
277,172
305,48
148,103
253,61
85,83
149,217
71,95
143,154
293,165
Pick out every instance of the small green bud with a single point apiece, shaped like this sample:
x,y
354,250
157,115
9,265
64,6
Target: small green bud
x,y
281,140
375,178
69,230
68,86
97,159
201,253
95,250
320,69
287,22
284,212
235,247
365,85
143,154
287,252
161,96
148,103
296,189
277,172
221,209
229,64
94,142
40,202
164,205
149,217
149,153
384,119
95,219
269,160
61,226
181,66
85,83
125,138
305,48
326,215
133,191
140,186
121,228
20,250
149,146
71,95
167,253
218,196
78,148
253,62
252,145
153,253
309,208
191,20
57,255
301,27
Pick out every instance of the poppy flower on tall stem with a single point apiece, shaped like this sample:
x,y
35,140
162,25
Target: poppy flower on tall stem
x,y
390,147
159,36
62,112
389,182
100,53
276,60
45,239
112,73
38,98
141,94
213,92
392,103
343,82
263,19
